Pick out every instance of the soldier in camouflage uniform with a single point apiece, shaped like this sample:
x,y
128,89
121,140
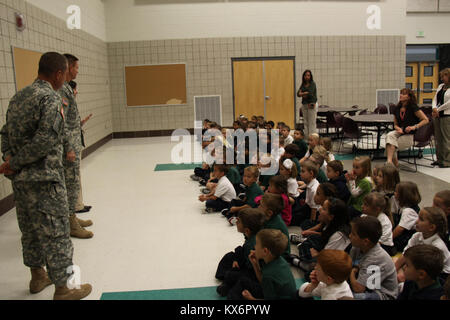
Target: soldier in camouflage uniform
x,y
72,150
31,143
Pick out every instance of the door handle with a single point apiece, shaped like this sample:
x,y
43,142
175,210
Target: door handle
x,y
267,97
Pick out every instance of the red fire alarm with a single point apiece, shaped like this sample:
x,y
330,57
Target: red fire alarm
x,y
20,21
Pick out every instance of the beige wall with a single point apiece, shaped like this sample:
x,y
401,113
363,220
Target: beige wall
x,y
46,32
130,20
435,26
347,70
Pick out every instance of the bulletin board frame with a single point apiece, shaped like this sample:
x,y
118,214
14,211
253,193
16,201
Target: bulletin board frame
x,y
145,86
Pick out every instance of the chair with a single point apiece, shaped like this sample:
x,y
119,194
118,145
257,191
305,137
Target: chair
x,y
365,111
338,119
352,113
381,109
422,139
331,122
352,131
428,110
392,108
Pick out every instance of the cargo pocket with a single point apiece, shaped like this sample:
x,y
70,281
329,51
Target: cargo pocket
x,y
53,200
54,227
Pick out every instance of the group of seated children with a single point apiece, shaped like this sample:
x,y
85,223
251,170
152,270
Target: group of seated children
x,y
353,224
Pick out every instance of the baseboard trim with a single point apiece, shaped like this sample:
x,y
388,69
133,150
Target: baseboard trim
x,y
7,203
96,145
145,134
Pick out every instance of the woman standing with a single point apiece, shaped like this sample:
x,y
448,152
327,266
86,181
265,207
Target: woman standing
x,y
441,120
407,119
308,93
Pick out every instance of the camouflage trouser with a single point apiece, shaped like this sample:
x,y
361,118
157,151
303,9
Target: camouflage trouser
x,y
43,219
72,175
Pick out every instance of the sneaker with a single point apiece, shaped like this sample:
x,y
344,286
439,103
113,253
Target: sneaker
x,y
306,266
205,190
232,221
202,182
241,196
225,212
291,259
208,210
296,238
194,177
222,290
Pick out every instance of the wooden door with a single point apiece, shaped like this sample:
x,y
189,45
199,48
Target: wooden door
x,y
428,82
266,88
248,88
279,84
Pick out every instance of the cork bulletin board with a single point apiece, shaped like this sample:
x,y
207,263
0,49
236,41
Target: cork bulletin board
x,y
155,85
26,66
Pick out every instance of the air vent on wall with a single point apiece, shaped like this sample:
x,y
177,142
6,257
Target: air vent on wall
x,y
208,107
387,96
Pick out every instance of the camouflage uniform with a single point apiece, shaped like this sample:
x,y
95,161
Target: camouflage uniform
x,y
32,137
72,142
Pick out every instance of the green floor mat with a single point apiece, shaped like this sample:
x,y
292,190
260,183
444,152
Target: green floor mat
x,y
173,166
201,293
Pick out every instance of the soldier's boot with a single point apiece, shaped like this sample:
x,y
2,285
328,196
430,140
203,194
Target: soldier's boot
x,y
78,231
64,293
85,223
39,280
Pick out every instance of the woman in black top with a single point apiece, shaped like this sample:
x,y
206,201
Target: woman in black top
x,y
441,115
407,119
308,93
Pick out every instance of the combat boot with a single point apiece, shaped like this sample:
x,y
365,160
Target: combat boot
x,y
85,223
64,293
78,231
39,280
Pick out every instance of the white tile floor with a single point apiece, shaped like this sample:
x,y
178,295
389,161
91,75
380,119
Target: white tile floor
x,y
149,229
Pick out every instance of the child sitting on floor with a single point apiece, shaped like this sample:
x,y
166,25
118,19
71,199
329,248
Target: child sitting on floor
x,y
299,140
329,278
324,192
278,185
431,229
408,198
302,212
274,276
272,205
224,191
442,200
334,234
252,190
423,263
236,264
335,174
313,141
375,204
327,143
359,184
368,257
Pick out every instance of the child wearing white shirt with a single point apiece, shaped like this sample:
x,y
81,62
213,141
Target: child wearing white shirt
x,y
431,229
328,280
375,204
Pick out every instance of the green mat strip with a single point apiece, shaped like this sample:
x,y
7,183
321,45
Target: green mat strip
x,y
201,293
173,166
